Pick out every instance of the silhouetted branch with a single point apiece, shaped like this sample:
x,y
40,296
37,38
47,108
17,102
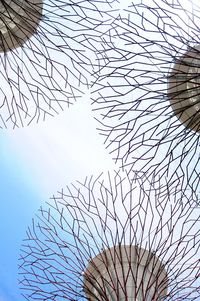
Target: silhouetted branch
x,y
91,218
47,51
150,58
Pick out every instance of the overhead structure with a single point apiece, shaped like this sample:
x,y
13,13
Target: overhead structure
x,y
47,50
146,93
125,273
184,88
113,237
18,22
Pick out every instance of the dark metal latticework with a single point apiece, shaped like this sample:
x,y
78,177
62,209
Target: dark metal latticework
x,y
109,211
47,50
131,95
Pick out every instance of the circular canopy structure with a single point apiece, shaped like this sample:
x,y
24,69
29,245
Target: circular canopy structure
x,y
101,215
125,273
147,114
18,22
184,88
47,50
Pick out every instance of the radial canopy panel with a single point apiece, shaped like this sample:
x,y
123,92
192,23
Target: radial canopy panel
x,y
184,88
18,22
125,273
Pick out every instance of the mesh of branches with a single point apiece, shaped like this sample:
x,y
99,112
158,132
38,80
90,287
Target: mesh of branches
x,y
50,68
103,212
130,94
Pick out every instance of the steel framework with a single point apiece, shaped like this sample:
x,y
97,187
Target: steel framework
x,y
105,212
45,65
131,95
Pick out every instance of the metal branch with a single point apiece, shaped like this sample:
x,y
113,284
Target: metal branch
x,y
102,223
47,51
150,58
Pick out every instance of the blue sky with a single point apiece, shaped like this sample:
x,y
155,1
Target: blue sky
x,y
19,199
35,162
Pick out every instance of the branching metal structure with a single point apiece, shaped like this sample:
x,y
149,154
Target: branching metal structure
x,y
46,52
112,210
146,93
